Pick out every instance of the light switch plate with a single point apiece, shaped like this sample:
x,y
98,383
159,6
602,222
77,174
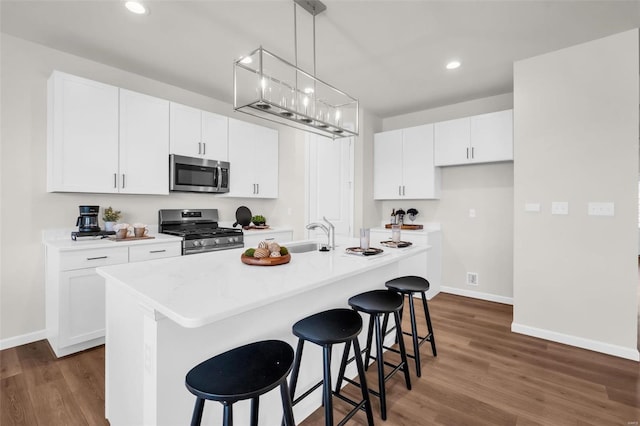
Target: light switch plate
x,y
560,207
601,209
532,207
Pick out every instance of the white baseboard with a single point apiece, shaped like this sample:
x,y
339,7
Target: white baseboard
x,y
580,342
23,339
477,295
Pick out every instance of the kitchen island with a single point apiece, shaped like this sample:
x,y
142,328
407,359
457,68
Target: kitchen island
x,y
166,316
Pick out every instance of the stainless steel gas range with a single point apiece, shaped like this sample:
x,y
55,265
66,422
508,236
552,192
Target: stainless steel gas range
x,y
199,230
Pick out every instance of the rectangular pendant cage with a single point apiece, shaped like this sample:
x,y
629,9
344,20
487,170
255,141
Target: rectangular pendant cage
x,y
269,87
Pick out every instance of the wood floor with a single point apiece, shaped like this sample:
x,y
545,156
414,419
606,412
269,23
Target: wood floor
x,y
483,375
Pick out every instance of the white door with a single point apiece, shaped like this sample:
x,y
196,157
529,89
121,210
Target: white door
x,y
330,183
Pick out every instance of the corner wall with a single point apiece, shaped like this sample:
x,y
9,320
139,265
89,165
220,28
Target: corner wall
x,y
576,140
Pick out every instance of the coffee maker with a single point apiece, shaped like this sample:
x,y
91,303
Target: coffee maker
x,y
87,223
88,219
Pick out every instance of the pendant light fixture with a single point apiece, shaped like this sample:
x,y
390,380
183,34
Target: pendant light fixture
x,y
269,87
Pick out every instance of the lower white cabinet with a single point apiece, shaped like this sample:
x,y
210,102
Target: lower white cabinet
x,y
253,238
429,266
75,293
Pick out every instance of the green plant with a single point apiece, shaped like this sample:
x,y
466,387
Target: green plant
x,y
284,251
258,219
111,215
249,252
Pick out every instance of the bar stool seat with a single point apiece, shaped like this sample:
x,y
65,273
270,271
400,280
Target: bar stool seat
x,y
409,285
379,303
242,373
327,329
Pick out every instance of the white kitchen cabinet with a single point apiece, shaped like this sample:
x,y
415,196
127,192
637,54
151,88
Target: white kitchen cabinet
x,y
102,139
82,135
403,164
75,298
144,144
428,266
253,238
481,138
197,133
253,158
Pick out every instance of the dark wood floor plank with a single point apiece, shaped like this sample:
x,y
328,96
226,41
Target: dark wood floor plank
x,y
9,363
15,403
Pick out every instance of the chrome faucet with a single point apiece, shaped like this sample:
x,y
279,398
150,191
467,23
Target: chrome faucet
x,y
330,231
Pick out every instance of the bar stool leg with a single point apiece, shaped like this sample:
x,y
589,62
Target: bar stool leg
x,y
403,351
414,335
255,405
326,387
429,326
381,387
287,407
369,341
363,381
343,363
227,415
296,369
196,419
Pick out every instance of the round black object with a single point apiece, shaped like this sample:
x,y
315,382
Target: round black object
x,y
241,373
243,216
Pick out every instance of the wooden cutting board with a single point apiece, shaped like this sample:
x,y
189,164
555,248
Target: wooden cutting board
x,y
405,226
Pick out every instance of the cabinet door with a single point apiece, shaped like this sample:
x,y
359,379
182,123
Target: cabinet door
x,y
420,178
144,144
452,142
82,135
214,136
241,159
492,137
266,162
185,134
82,306
387,165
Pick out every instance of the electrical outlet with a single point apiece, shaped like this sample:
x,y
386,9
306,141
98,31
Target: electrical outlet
x,y
601,209
560,207
472,278
472,213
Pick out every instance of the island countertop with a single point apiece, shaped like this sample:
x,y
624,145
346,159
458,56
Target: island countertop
x,y
197,290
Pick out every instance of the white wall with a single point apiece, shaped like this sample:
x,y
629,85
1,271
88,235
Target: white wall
x,y
482,244
576,140
28,208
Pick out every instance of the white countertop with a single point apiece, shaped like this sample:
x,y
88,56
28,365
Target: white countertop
x,y
62,241
197,290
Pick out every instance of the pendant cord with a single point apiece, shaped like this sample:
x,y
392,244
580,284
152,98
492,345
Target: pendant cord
x,y
314,44
295,34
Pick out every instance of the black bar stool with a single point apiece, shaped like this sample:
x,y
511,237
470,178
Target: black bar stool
x,y
242,373
377,303
408,286
326,329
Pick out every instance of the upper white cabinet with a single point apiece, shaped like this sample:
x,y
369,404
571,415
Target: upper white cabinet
x,y
403,164
478,139
144,144
197,133
253,158
103,139
82,135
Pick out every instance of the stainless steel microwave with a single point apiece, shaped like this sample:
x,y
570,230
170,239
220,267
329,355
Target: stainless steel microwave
x,y
190,174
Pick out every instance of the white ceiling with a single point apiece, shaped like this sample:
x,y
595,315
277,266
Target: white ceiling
x,y
390,54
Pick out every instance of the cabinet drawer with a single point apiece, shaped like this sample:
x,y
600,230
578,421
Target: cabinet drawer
x,y
154,251
93,258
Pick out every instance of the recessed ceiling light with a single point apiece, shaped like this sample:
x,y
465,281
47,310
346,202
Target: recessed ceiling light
x,y
453,65
136,7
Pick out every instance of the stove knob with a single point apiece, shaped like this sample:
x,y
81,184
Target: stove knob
x,y
196,243
217,240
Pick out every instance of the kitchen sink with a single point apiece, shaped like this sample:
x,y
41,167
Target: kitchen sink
x,y
304,248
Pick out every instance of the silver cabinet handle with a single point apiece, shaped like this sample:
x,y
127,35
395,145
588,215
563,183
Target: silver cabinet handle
x,y
399,189
403,190
199,148
270,239
467,153
115,180
204,148
473,152
157,251
258,188
123,181
97,258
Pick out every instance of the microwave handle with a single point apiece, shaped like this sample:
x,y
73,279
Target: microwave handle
x,y
219,178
